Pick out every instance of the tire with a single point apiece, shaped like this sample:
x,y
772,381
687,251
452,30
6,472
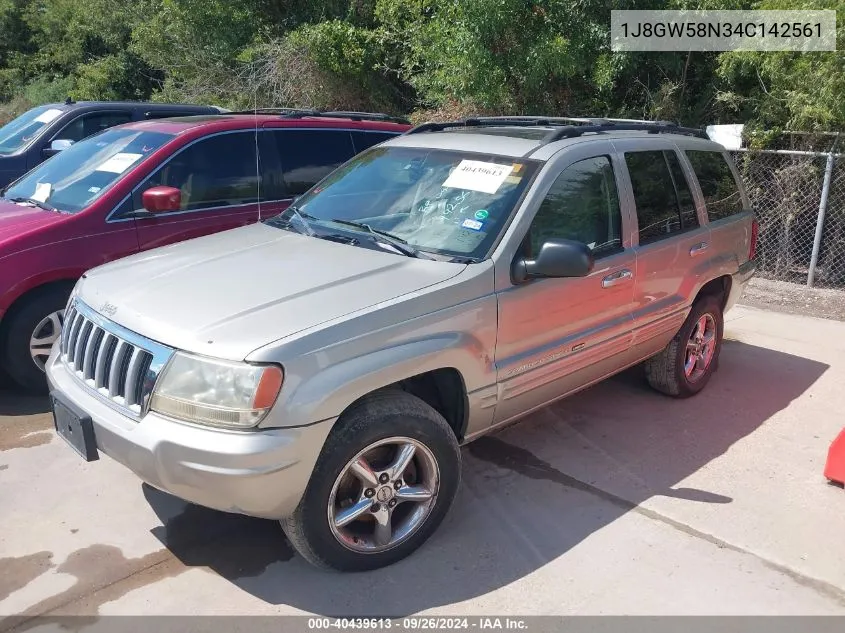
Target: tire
x,y
381,417
668,373
18,361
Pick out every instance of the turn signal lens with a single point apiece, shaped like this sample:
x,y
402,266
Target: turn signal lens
x,y
269,386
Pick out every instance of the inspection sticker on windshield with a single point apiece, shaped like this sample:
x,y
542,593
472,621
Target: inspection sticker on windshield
x,y
476,175
119,163
473,225
48,115
42,191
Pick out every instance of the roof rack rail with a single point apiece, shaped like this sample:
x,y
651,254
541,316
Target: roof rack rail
x,y
367,116
566,127
298,113
655,127
271,111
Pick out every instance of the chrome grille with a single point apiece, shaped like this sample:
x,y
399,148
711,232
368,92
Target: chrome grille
x,y
117,364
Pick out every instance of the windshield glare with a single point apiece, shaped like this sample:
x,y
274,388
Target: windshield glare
x,y
19,132
449,202
74,178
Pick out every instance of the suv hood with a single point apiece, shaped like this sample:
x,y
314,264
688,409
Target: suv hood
x,y
227,294
17,219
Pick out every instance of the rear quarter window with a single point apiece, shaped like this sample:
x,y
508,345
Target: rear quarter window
x,y
718,185
308,155
365,140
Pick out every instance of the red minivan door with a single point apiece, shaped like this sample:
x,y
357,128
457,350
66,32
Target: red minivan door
x,y
220,184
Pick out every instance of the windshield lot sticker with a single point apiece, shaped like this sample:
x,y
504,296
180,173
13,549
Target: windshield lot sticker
x,y
476,175
482,214
94,189
473,225
119,163
48,115
42,191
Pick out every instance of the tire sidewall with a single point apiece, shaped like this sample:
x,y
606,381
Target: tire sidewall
x,y
334,458
711,306
16,358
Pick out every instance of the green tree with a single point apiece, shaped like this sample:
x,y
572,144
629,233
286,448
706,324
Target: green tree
x,y
787,89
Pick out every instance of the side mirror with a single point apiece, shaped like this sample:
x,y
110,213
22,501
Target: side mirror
x,y
57,146
557,258
162,199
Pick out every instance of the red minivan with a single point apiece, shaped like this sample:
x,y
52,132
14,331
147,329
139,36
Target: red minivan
x,y
146,184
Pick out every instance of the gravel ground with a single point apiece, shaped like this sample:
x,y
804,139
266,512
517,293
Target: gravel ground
x,y
783,296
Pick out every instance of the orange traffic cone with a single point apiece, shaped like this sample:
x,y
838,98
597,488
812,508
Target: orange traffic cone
x,y
834,469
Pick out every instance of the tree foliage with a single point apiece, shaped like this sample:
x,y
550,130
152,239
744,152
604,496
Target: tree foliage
x,y
430,56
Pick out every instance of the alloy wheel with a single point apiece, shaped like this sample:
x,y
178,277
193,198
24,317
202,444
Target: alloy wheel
x,y
701,347
47,332
383,495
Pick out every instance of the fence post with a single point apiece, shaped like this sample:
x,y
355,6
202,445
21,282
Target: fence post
x,y
817,241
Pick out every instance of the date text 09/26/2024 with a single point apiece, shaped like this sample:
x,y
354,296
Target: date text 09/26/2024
x,y
417,623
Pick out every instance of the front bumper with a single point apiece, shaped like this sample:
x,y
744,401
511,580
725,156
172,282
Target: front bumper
x,y
260,473
740,280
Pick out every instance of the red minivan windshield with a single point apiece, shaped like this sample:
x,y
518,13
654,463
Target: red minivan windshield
x,y
74,178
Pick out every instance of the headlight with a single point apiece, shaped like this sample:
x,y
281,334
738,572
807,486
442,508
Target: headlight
x,y
216,392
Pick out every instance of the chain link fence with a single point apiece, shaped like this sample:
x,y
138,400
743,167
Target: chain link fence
x,y
787,189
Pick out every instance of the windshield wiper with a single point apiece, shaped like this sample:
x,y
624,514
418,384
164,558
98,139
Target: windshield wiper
x,y
383,236
299,215
37,203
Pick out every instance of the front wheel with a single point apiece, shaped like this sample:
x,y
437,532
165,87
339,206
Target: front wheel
x,y
32,330
685,365
385,479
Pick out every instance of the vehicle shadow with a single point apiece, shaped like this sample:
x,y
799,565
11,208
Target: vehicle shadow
x,y
529,494
13,401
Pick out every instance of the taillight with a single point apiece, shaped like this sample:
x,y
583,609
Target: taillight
x,y
752,249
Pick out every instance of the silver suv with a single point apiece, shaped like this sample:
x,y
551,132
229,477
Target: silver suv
x,y
323,367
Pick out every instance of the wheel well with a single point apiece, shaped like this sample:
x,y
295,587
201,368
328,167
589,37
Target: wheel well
x,y
443,390
719,287
62,284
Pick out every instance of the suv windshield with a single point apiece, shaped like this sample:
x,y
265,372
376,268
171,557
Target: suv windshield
x,y
18,132
449,202
74,178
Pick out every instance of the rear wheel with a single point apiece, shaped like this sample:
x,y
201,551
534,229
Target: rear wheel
x,y
29,336
385,479
685,365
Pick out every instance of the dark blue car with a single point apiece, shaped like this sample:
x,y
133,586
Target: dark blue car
x,y
46,130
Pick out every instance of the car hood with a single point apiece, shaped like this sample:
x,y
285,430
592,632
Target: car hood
x,y
17,219
227,294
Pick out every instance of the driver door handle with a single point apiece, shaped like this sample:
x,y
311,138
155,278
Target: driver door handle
x,y
618,278
698,249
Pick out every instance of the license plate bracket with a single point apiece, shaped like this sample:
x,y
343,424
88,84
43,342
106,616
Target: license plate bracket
x,y
75,427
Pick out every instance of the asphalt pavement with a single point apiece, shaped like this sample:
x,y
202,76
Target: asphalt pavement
x,y
615,501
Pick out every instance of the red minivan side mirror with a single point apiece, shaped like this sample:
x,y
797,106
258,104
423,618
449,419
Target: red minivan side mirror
x,y
162,199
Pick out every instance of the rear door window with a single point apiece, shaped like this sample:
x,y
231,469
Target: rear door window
x,y
88,124
661,194
717,182
309,155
